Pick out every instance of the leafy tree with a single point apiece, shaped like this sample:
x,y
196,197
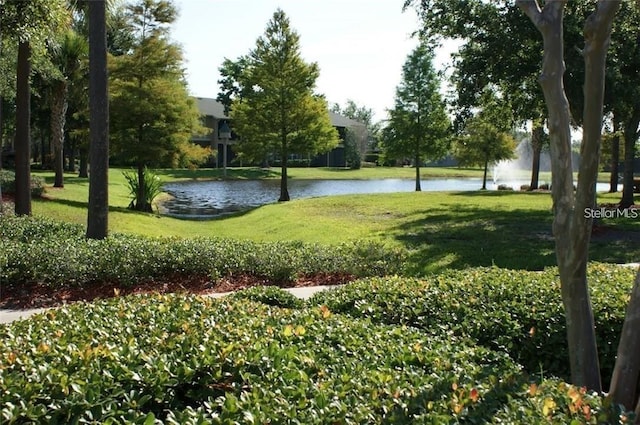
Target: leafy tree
x,y
418,124
278,111
27,22
481,144
230,86
152,115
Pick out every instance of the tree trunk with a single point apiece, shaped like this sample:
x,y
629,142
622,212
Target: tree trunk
x,y
98,211
571,229
58,116
625,375
83,172
615,157
141,201
418,187
23,131
484,176
71,155
630,138
537,132
284,191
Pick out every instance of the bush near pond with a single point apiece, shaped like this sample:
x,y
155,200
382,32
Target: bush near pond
x,y
188,360
57,254
517,312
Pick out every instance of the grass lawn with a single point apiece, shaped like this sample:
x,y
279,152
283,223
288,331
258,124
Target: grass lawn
x,y
441,229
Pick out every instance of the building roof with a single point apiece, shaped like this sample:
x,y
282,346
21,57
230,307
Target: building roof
x,y
211,107
338,120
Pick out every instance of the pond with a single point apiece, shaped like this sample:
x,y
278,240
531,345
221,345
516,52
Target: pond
x,y
208,199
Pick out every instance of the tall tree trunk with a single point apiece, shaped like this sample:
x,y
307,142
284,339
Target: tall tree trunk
x,y
58,116
571,228
418,187
630,138
23,131
98,211
537,132
615,157
624,379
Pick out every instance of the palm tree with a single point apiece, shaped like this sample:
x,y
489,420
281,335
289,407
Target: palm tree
x,y
67,55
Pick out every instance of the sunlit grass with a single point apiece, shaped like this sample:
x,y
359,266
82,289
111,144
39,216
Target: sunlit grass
x,y
440,229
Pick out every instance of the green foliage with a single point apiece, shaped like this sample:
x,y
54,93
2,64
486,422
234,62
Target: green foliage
x,y
57,254
419,126
517,312
278,112
152,187
152,115
188,360
270,295
351,151
8,182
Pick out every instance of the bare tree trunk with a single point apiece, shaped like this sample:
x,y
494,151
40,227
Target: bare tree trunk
x,y
23,131
625,375
537,132
630,138
98,211
571,229
58,116
615,157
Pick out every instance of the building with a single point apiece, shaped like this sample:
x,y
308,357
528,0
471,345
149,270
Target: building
x,y
214,118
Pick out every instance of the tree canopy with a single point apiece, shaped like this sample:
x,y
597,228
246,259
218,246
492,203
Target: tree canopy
x,y
418,126
278,112
152,116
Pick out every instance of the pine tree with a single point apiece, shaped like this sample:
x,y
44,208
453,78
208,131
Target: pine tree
x,y
279,112
418,124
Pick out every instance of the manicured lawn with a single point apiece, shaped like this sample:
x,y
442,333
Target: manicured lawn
x,y
441,229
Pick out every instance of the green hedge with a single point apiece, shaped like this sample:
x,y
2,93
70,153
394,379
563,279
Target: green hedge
x,y
8,183
42,250
517,312
188,360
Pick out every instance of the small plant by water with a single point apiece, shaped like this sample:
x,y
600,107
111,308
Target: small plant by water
x,y
142,200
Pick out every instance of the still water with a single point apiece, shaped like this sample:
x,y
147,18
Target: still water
x,y
202,200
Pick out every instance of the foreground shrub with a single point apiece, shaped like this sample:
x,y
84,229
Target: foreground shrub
x,y
42,250
186,360
269,295
517,312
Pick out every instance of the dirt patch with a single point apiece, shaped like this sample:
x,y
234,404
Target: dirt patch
x,y
36,295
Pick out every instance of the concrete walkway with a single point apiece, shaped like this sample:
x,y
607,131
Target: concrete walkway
x,y
8,316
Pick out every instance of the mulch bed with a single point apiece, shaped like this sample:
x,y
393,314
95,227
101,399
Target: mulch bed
x,y
36,295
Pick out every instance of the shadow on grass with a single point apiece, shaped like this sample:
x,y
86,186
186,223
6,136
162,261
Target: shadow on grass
x,y
459,237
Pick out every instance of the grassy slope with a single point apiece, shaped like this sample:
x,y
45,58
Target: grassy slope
x,y
442,229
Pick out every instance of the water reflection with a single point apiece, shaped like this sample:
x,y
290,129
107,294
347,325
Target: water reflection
x,y
202,200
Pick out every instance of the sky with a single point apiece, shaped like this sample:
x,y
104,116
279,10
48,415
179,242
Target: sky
x,y
359,45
